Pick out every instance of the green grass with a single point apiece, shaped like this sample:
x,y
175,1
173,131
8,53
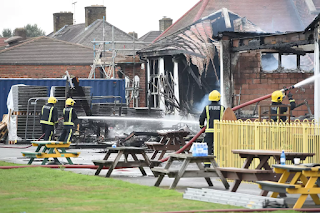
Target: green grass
x,y
47,190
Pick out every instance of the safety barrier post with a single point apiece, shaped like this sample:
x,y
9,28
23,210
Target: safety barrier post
x,y
305,142
256,135
257,128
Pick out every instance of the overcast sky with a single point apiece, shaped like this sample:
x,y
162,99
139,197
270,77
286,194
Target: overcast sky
x,y
140,16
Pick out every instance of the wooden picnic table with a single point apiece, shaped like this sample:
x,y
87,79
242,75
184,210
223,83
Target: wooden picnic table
x,y
124,152
263,171
170,141
304,182
50,149
183,172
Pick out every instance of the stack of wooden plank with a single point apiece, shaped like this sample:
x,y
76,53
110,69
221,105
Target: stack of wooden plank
x,y
3,127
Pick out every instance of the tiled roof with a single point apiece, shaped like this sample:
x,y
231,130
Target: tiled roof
x,y
150,36
44,50
80,35
270,15
68,32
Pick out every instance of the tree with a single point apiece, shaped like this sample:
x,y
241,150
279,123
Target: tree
x,y
6,33
34,31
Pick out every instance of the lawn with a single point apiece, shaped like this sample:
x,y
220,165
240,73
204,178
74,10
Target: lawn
x,y
48,190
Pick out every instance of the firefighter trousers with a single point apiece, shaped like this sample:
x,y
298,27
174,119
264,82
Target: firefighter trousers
x,y
208,138
66,134
48,131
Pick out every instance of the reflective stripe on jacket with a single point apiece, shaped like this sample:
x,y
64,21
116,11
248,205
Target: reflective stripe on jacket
x,y
49,114
69,116
212,112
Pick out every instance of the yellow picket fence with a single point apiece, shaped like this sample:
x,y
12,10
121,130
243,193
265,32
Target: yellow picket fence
x,y
294,137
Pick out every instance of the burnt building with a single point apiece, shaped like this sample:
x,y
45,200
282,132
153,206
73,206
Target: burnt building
x,y
195,60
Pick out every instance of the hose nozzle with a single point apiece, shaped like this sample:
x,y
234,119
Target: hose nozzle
x,y
288,88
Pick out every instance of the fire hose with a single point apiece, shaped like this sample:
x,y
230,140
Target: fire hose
x,y
234,109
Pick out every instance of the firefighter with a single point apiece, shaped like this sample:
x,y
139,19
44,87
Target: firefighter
x,y
49,118
211,112
69,116
276,98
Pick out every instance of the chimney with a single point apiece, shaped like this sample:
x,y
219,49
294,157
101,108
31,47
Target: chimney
x,y
164,23
61,19
133,34
94,12
21,32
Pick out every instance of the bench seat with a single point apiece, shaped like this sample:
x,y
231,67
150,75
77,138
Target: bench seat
x,y
106,163
153,143
277,187
233,173
46,155
158,171
32,154
188,173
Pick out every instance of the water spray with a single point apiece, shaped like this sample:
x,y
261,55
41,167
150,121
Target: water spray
x,y
119,118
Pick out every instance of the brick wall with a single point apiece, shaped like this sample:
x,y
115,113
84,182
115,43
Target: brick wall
x,y
42,71
254,83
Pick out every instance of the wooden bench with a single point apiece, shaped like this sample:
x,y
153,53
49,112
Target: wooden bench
x,y
183,172
170,141
303,183
170,173
50,150
244,174
120,164
125,163
277,187
46,155
207,172
32,154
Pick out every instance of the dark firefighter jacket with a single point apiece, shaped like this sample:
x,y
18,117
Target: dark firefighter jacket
x,y
49,114
69,116
281,110
211,112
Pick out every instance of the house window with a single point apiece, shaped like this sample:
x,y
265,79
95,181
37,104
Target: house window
x,y
289,62
269,61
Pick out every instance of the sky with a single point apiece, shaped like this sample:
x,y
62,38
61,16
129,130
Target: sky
x,y
140,16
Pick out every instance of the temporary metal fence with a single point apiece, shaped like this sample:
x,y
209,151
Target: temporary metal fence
x,y
296,136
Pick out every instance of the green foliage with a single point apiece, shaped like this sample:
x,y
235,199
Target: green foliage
x,y
7,33
33,30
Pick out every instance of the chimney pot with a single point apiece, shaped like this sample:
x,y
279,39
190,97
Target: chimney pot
x,y
61,19
93,13
164,23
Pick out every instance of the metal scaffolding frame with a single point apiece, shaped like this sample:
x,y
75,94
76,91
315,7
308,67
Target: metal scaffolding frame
x,y
109,69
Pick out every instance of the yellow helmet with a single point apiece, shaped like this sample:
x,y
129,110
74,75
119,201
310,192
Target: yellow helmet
x,y
52,100
214,96
277,96
70,102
